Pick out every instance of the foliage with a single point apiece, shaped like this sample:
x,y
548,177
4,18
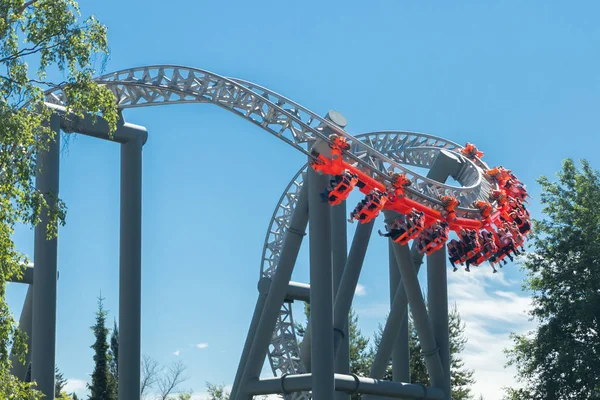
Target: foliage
x,y
48,34
113,365
559,359
216,392
59,382
461,377
100,388
64,396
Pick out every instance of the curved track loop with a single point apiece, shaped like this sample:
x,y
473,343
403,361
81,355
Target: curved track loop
x,y
285,119
409,148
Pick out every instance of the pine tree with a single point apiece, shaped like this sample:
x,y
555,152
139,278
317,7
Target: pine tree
x,y
461,377
59,382
114,361
100,387
373,350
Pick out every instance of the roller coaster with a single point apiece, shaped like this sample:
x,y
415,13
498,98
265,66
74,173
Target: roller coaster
x,y
486,211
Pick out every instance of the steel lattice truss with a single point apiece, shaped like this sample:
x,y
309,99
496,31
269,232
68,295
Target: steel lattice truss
x,y
377,154
289,121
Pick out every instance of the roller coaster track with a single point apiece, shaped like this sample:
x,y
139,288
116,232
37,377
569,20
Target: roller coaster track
x,y
377,154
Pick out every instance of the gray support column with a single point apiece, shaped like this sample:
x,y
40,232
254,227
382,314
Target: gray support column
x,y
277,292
43,340
401,352
398,313
263,290
349,384
343,299
130,269
437,299
17,368
420,316
339,244
321,293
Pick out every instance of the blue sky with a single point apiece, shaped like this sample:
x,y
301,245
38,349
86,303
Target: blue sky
x,y
518,79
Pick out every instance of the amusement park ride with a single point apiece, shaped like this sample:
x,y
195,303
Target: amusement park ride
x,y
486,212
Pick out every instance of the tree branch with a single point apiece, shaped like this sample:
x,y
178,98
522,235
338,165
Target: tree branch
x,y
168,384
150,372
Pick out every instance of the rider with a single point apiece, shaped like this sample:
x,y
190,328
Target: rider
x,y
470,151
484,208
500,197
398,228
399,183
449,203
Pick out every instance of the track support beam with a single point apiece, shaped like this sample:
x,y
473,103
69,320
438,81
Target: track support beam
x,y
401,350
130,267
321,294
343,299
275,297
340,252
437,303
45,258
349,384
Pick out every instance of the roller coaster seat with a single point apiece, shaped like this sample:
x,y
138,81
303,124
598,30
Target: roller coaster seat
x,y
341,191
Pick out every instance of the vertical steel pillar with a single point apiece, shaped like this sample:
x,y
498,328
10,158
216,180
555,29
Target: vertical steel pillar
x,y
263,290
437,299
321,289
420,316
339,252
277,292
43,340
17,368
343,299
130,269
398,313
401,352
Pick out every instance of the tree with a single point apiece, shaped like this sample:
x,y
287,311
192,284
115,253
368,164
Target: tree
x,y
359,350
150,371
49,34
216,392
59,382
114,361
559,358
171,380
461,377
100,387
